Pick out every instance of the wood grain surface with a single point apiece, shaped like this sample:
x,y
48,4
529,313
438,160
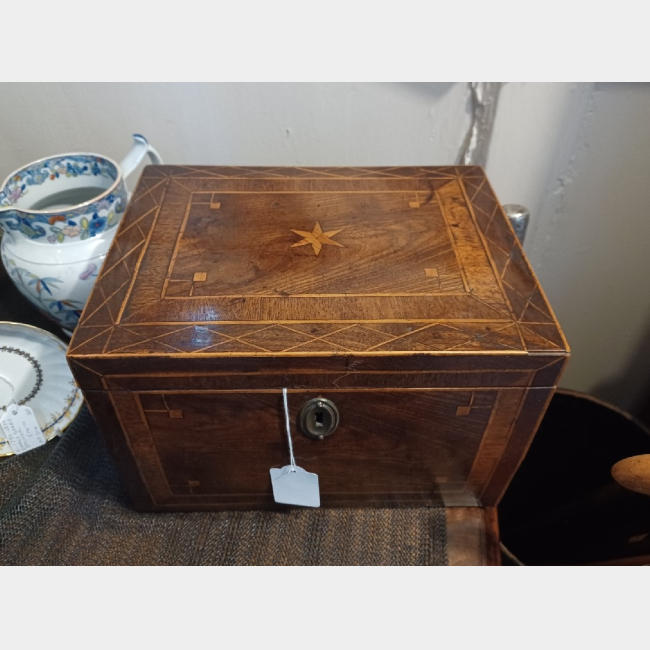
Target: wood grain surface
x,y
205,262
473,537
401,294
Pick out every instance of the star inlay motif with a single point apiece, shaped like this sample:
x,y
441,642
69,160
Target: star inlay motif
x,y
317,238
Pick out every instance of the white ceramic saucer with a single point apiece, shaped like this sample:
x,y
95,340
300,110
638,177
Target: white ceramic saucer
x,y
34,372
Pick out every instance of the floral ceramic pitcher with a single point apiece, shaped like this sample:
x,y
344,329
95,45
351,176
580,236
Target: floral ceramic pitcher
x,y
59,216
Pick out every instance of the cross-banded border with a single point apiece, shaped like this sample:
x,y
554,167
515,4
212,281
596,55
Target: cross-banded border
x,y
529,327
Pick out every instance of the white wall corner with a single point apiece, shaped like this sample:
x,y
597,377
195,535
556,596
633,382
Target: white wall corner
x,y
536,134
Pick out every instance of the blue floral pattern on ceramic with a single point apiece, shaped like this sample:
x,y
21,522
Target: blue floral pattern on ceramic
x,y
51,169
83,197
43,291
81,223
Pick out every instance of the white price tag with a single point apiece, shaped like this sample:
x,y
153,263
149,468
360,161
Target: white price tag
x,y
295,487
292,484
21,429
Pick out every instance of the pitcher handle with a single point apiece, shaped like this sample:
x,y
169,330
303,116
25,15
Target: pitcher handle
x,y
140,148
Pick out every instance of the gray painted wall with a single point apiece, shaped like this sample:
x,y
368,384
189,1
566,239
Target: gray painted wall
x,y
578,155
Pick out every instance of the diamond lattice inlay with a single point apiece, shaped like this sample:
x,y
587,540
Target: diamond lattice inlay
x,y
498,309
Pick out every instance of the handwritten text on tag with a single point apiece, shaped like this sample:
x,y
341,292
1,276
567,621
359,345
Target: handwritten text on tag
x,y
21,429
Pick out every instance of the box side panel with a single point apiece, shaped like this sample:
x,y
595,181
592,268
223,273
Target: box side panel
x,y
533,407
117,437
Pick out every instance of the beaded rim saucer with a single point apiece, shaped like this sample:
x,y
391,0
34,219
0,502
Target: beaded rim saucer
x,y
34,372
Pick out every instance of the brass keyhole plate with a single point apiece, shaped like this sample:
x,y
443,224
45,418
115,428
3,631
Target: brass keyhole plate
x,y
318,418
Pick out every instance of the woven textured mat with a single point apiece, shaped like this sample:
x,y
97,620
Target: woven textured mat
x,y
63,504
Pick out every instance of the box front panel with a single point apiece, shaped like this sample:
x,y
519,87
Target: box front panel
x,y
214,449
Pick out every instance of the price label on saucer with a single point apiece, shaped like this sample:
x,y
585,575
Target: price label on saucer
x,y
21,429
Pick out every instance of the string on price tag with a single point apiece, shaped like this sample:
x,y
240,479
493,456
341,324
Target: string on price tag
x,y
291,484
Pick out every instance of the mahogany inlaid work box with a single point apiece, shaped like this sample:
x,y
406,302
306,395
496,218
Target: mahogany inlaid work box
x,y
394,304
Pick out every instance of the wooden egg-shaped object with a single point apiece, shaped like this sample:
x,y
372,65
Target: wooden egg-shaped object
x,y
633,473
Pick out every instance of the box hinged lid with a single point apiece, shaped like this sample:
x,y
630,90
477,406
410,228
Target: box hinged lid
x,y
300,262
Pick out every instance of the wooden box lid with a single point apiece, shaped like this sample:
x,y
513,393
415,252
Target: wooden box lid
x,y
315,262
